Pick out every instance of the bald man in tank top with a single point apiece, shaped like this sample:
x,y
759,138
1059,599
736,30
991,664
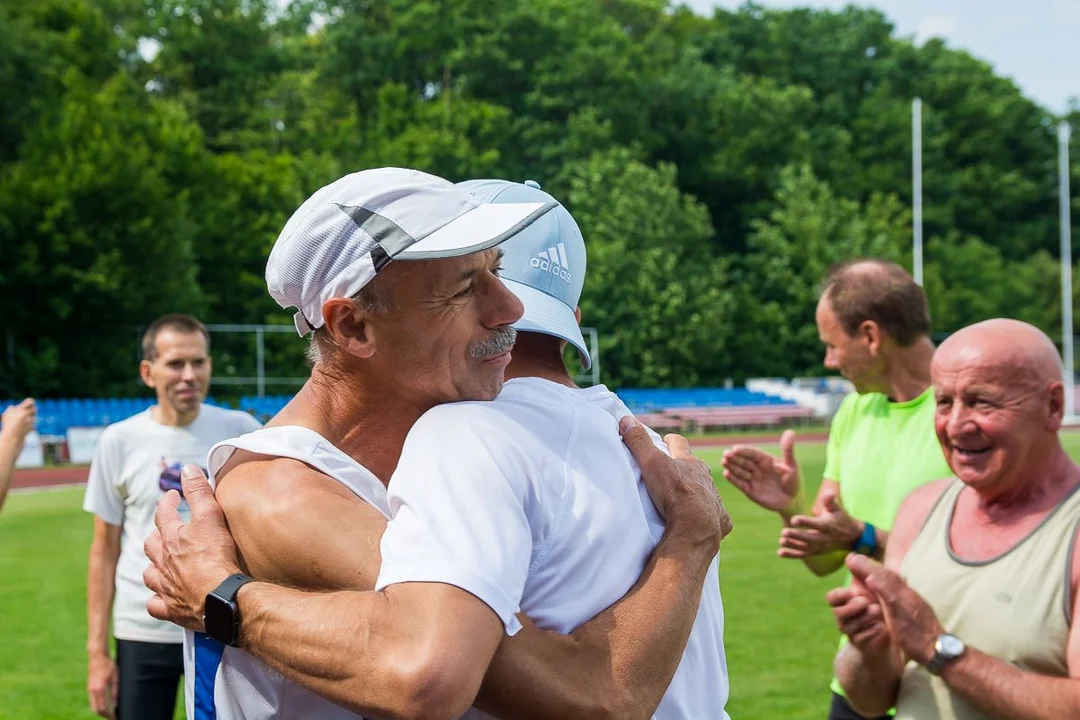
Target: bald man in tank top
x,y
972,614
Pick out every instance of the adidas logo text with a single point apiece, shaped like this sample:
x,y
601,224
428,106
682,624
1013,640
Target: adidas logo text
x,y
553,260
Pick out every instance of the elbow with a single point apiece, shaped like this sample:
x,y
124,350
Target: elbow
x,y
432,691
612,703
623,706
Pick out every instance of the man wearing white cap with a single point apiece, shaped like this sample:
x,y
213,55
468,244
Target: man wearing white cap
x,y
392,340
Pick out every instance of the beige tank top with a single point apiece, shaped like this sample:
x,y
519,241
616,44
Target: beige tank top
x,y
1017,606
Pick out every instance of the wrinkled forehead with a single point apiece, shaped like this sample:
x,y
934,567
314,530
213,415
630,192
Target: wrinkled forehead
x,y
959,366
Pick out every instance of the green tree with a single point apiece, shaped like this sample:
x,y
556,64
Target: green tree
x,y
217,57
809,231
96,235
968,280
45,48
654,289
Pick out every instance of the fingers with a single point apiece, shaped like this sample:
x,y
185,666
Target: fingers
x,y
158,608
153,547
199,494
787,447
795,547
745,457
838,596
813,523
637,439
855,607
102,695
738,480
166,517
794,554
861,567
831,501
97,700
876,638
678,446
153,579
885,582
857,616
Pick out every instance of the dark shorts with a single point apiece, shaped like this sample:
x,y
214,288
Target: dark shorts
x,y
150,674
840,710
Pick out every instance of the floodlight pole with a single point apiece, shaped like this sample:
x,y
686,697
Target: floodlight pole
x,y
916,181
1066,268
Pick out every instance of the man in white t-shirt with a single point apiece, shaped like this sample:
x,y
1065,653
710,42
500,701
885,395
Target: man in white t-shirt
x,y
389,348
135,462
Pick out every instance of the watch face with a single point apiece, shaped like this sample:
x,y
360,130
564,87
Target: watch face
x,y
219,619
950,645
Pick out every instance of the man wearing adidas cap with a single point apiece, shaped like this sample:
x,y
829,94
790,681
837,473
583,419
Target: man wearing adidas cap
x,y
576,514
307,513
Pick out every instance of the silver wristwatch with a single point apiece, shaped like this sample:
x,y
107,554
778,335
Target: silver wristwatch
x,y
947,648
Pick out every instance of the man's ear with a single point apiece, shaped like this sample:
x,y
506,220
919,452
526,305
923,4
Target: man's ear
x,y
1056,406
870,333
144,373
577,314
348,327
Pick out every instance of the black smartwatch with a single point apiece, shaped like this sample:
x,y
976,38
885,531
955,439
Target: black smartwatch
x,y
221,615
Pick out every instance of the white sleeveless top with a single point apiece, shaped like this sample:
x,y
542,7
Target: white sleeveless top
x,y
226,683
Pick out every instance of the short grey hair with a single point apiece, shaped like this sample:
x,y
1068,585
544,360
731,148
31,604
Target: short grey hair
x,y
371,299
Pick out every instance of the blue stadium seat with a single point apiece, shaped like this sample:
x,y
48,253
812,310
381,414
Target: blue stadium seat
x,y
646,400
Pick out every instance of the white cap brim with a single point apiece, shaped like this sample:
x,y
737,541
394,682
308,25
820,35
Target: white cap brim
x,y
548,315
483,227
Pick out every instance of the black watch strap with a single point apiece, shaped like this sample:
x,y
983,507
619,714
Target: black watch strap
x,y
221,616
231,585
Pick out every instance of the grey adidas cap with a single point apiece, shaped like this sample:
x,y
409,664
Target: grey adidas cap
x,y
544,264
344,234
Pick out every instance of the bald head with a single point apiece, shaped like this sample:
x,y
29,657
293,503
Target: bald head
x,y
1000,403
1005,345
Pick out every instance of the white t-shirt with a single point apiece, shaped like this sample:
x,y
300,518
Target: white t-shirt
x,y
532,502
132,462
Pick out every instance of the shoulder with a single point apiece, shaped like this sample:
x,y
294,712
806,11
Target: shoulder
x,y
912,515
272,490
263,479
114,436
134,425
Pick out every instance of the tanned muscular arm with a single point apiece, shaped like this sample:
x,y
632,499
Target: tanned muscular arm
x,y
617,665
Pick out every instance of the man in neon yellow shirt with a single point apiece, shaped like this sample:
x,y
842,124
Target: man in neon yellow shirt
x,y
875,324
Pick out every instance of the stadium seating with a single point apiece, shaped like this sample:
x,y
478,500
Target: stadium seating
x,y
692,409
56,416
666,399
664,409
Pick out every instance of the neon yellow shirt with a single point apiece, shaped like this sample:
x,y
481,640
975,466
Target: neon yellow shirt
x,y
878,452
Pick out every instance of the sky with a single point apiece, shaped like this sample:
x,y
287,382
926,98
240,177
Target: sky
x,y
1036,43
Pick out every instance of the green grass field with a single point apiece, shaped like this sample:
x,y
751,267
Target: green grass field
x,y
779,636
